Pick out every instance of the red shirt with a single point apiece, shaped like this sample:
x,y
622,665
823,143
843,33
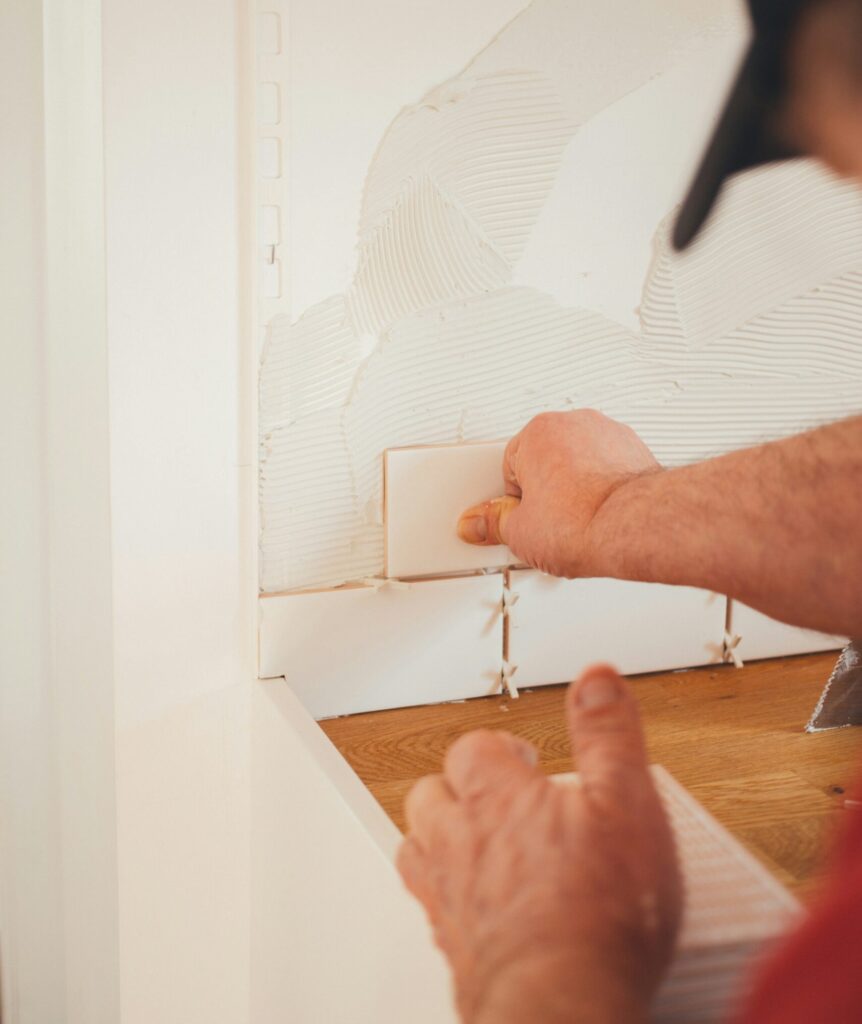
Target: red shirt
x,y
815,975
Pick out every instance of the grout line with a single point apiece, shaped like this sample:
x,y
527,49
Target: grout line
x,y
444,444
497,570
731,640
386,516
507,579
383,580
507,670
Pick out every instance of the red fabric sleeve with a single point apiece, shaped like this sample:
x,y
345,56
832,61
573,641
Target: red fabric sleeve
x,y
815,975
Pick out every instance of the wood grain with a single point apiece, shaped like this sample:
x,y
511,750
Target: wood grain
x,y
733,737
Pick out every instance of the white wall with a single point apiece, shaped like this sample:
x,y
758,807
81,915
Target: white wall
x,y
177,131
32,980
335,936
58,882
132,676
501,248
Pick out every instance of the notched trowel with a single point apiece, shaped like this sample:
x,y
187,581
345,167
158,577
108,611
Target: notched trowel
x,y
840,703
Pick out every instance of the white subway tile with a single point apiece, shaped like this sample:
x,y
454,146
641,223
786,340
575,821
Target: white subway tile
x,y
362,649
427,489
558,627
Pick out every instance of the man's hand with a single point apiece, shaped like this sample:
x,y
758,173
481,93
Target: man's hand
x,y
775,526
552,902
559,471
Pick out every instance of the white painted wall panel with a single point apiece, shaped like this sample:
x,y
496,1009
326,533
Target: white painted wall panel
x,y
58,850
335,937
364,648
179,429
76,416
32,967
763,637
178,98
183,832
558,627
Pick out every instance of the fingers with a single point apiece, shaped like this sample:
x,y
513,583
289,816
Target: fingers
x,y
478,763
488,523
412,866
425,802
607,738
510,466
484,762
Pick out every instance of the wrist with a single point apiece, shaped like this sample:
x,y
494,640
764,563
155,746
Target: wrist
x,y
556,990
617,541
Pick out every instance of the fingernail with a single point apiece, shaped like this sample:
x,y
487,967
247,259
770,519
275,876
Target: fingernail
x,y
473,529
598,690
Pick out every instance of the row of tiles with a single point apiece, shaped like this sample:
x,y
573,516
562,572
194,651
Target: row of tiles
x,y
365,648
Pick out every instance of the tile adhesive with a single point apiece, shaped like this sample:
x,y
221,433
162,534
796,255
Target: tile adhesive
x,y
752,335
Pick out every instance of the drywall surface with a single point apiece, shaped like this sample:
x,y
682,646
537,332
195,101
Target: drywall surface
x,y
511,256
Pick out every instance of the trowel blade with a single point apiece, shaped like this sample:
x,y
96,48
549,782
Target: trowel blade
x,y
840,703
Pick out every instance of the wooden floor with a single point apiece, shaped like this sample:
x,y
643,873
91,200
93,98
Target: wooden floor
x,y
733,737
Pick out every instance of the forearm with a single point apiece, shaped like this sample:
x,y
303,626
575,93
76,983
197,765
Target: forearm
x,y
778,526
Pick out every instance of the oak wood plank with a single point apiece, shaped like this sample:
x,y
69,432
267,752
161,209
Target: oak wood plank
x,y
734,737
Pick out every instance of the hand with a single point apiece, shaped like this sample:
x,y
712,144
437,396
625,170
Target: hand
x,y
552,902
559,471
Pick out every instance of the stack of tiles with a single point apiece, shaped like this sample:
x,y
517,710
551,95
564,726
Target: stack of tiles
x,y
733,910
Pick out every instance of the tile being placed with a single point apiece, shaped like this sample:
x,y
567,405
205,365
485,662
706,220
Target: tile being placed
x,y
427,489
558,627
763,637
365,648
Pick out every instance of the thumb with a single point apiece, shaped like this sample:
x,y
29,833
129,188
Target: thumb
x,y
607,738
487,523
